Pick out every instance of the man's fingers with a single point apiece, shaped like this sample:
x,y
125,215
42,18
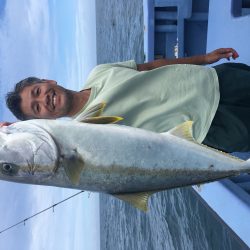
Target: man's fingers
x,y
221,53
228,55
235,55
228,52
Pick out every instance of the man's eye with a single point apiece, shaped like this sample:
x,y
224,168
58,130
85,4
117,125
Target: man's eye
x,y
37,91
37,108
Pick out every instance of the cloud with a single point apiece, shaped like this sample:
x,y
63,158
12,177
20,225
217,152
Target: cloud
x,y
14,207
73,225
44,226
25,41
84,56
25,37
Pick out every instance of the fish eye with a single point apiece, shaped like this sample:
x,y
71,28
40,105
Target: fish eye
x,y
9,169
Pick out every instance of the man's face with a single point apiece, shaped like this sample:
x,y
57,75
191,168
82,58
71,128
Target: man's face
x,y
45,100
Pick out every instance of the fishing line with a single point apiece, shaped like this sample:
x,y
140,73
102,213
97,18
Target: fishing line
x,y
42,211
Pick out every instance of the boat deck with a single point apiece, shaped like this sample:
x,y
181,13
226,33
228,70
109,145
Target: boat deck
x,y
177,28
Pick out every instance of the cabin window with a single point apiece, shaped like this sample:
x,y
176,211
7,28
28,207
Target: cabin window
x,y
240,8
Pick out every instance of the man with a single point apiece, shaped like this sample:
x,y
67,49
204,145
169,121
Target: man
x,y
148,96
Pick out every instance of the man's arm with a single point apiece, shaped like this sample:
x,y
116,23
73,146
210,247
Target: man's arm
x,y
209,58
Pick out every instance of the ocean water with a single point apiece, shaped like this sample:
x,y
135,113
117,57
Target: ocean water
x,y
177,219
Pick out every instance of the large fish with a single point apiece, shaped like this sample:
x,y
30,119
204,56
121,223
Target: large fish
x,y
128,162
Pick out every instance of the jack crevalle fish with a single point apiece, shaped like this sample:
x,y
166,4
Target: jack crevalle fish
x,y
127,162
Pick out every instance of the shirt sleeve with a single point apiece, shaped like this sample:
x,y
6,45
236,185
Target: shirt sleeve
x,y
131,64
99,69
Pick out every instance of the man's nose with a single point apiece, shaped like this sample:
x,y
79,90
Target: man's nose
x,y
43,99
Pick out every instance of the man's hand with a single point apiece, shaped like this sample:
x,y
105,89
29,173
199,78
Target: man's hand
x,y
5,124
221,53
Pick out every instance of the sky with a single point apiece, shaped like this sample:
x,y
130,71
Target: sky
x,y
53,39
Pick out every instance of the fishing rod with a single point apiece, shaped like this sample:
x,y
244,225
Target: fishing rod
x,y
42,211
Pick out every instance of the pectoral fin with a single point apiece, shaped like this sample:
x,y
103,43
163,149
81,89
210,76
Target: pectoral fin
x,y
73,167
138,200
92,112
103,119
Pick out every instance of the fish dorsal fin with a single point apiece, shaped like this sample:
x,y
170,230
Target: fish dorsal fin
x,y
138,200
103,119
94,111
183,130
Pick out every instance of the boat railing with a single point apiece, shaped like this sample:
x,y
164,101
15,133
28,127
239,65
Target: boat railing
x,y
171,28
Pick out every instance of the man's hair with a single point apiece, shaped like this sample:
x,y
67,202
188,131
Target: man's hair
x,y
13,98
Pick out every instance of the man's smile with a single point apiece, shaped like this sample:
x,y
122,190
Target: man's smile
x,y
54,99
51,100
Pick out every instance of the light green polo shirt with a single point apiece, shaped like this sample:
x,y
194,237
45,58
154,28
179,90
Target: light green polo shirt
x,y
156,100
